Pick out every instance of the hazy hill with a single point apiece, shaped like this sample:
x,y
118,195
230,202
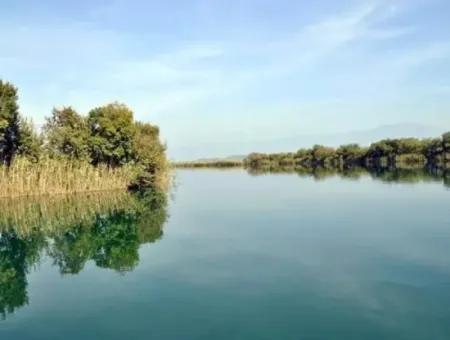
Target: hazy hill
x,y
293,143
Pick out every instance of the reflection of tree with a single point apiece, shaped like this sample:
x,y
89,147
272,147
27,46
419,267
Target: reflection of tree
x,y
16,257
390,175
72,249
402,175
112,240
109,236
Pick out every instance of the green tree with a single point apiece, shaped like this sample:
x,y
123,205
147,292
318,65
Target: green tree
x,y
324,155
30,142
380,149
446,141
67,134
409,146
9,122
149,153
351,154
112,134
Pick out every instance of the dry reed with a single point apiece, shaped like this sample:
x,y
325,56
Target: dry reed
x,y
52,176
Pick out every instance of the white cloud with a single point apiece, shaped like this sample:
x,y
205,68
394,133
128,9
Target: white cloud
x,y
202,86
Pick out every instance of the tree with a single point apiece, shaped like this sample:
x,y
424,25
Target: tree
x,y
380,149
112,134
432,148
67,134
323,155
147,148
446,141
148,152
30,142
9,122
409,146
351,153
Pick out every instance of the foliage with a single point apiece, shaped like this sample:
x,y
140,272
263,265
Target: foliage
x,y
351,153
112,134
67,134
401,152
9,122
108,139
446,141
31,142
149,153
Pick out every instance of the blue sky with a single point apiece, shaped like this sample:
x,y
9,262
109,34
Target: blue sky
x,y
218,77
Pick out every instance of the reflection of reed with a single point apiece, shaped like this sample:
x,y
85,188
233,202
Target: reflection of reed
x,y
106,228
54,214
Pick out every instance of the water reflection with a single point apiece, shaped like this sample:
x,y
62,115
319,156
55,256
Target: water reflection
x,y
389,175
105,228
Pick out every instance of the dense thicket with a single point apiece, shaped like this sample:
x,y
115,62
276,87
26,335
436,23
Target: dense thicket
x,y
107,137
401,152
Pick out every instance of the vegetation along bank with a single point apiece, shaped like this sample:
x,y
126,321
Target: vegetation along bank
x,y
394,153
104,150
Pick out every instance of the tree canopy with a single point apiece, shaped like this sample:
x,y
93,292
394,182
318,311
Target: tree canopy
x,y
112,133
9,122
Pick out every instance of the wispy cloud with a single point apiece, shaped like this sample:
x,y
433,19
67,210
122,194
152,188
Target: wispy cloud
x,y
353,63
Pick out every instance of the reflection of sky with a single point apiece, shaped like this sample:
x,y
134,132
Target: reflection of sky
x,y
196,68
276,256
366,245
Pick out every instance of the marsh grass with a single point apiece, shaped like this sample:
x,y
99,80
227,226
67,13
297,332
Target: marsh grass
x,y
54,176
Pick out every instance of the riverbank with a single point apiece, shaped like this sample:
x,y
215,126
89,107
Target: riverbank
x,y
212,164
106,149
396,153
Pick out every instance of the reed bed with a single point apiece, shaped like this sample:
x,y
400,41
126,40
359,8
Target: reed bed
x,y
54,176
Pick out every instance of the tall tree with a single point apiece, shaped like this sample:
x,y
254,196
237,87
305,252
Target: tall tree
x,y
149,153
9,122
67,134
30,142
112,133
446,141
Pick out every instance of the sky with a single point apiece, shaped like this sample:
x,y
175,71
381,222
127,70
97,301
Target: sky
x,y
220,77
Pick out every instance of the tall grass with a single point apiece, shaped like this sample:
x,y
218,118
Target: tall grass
x,y
55,176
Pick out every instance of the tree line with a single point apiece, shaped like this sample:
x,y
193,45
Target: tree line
x,y
107,136
400,152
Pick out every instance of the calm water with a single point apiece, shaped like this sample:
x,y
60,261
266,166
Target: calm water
x,y
232,255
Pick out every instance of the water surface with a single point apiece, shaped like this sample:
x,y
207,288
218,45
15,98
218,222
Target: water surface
x,y
233,255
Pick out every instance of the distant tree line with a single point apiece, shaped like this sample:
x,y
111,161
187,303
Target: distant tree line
x,y
210,164
107,136
401,152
